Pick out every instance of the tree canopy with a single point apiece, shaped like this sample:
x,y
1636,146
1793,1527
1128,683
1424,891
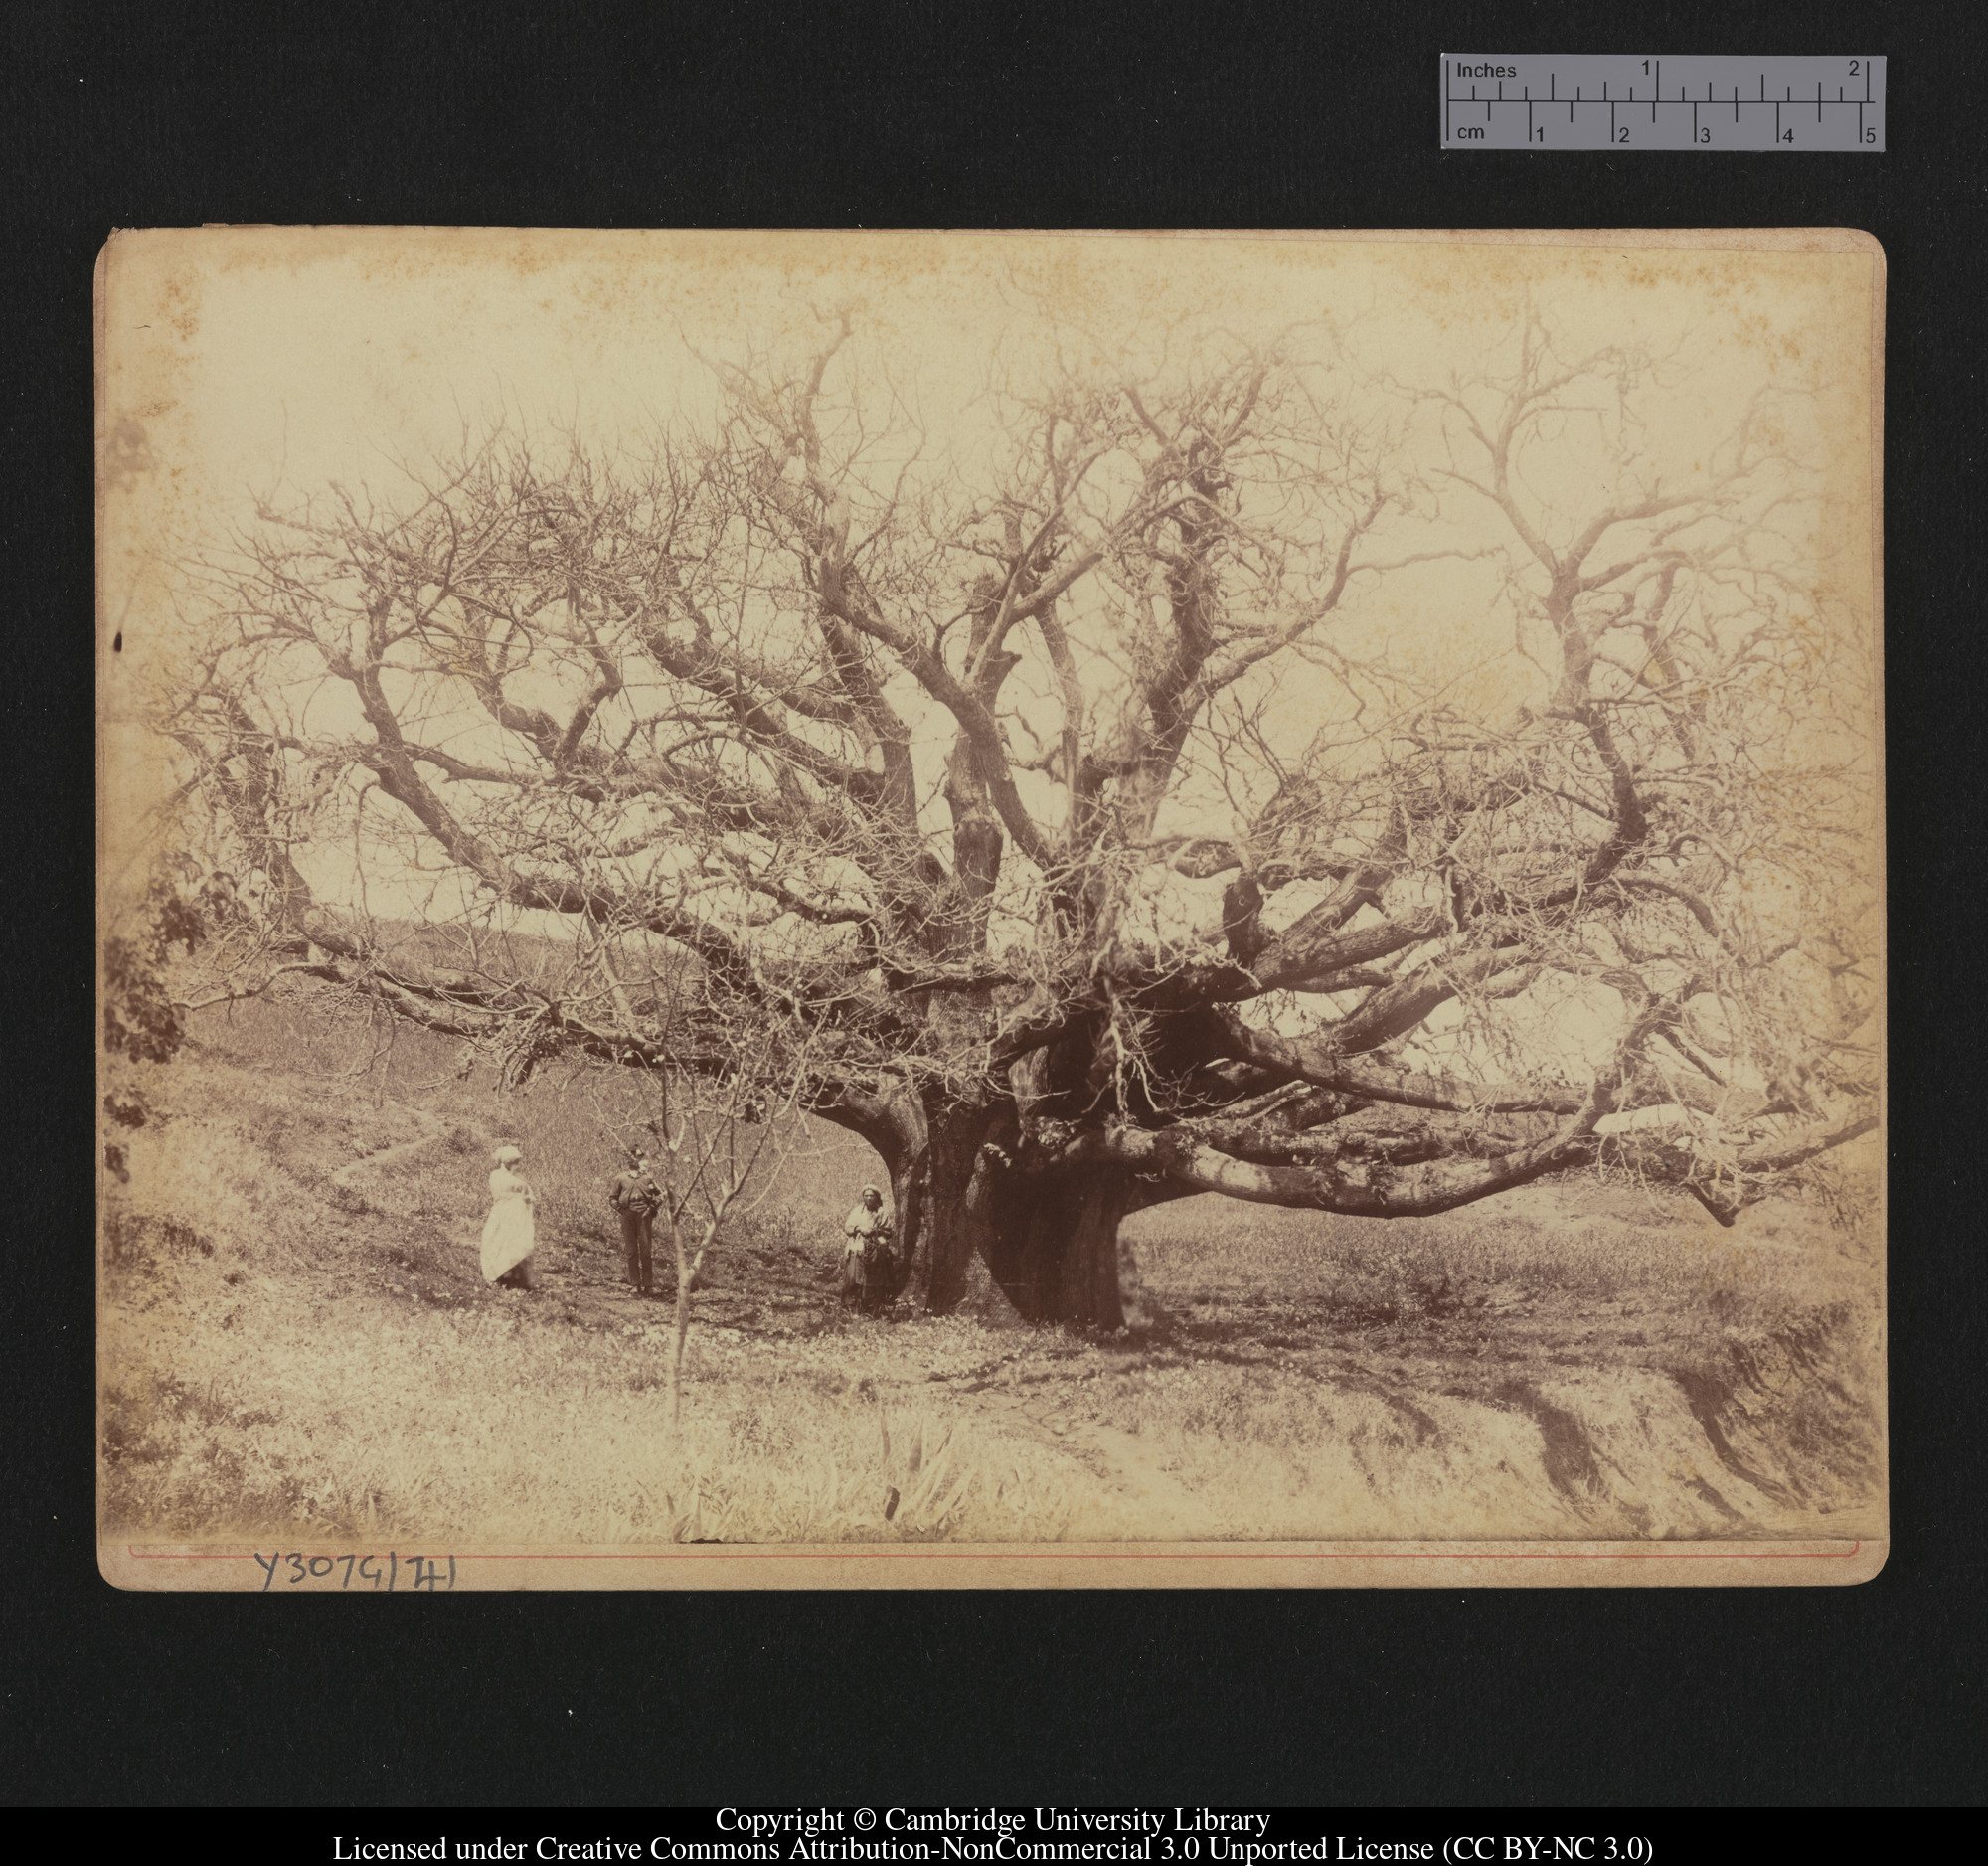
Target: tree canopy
x,y
1235,771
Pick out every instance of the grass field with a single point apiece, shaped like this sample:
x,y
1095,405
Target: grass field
x,y
295,1336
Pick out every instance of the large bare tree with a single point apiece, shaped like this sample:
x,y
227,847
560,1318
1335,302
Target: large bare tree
x,y
1055,782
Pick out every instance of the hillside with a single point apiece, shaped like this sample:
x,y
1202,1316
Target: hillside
x,y
295,1336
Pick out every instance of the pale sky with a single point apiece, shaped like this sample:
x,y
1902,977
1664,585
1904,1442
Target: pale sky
x,y
247,360
315,355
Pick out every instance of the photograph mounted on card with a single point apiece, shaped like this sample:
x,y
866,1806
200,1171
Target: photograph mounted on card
x,y
951,910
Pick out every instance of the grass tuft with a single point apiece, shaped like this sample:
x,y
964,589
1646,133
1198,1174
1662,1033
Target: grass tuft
x,y
297,1339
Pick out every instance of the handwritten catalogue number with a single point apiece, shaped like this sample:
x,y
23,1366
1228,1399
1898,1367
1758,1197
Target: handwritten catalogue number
x,y
392,1573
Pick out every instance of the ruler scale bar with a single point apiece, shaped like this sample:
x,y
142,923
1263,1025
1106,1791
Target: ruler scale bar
x,y
1490,101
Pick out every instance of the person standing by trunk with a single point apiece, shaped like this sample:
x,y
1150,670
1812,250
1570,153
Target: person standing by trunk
x,y
637,1198
866,1254
510,1233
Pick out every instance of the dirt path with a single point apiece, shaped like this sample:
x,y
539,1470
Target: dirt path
x,y
388,1156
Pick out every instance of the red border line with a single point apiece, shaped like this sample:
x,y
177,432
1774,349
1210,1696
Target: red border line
x,y
138,1554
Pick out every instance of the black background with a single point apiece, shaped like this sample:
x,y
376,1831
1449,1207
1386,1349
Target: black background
x,y
1233,114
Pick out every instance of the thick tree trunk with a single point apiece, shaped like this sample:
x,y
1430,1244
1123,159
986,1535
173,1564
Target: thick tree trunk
x,y
910,1208
957,1196
1055,1250
1051,1246
932,1175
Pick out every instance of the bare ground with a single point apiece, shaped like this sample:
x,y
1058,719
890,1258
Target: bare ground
x,y
1532,1375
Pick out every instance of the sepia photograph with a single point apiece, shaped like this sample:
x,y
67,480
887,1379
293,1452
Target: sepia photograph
x,y
989,910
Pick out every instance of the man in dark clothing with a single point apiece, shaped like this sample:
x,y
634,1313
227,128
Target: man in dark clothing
x,y
636,1196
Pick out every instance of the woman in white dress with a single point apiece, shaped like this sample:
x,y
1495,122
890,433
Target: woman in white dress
x,y
509,1233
